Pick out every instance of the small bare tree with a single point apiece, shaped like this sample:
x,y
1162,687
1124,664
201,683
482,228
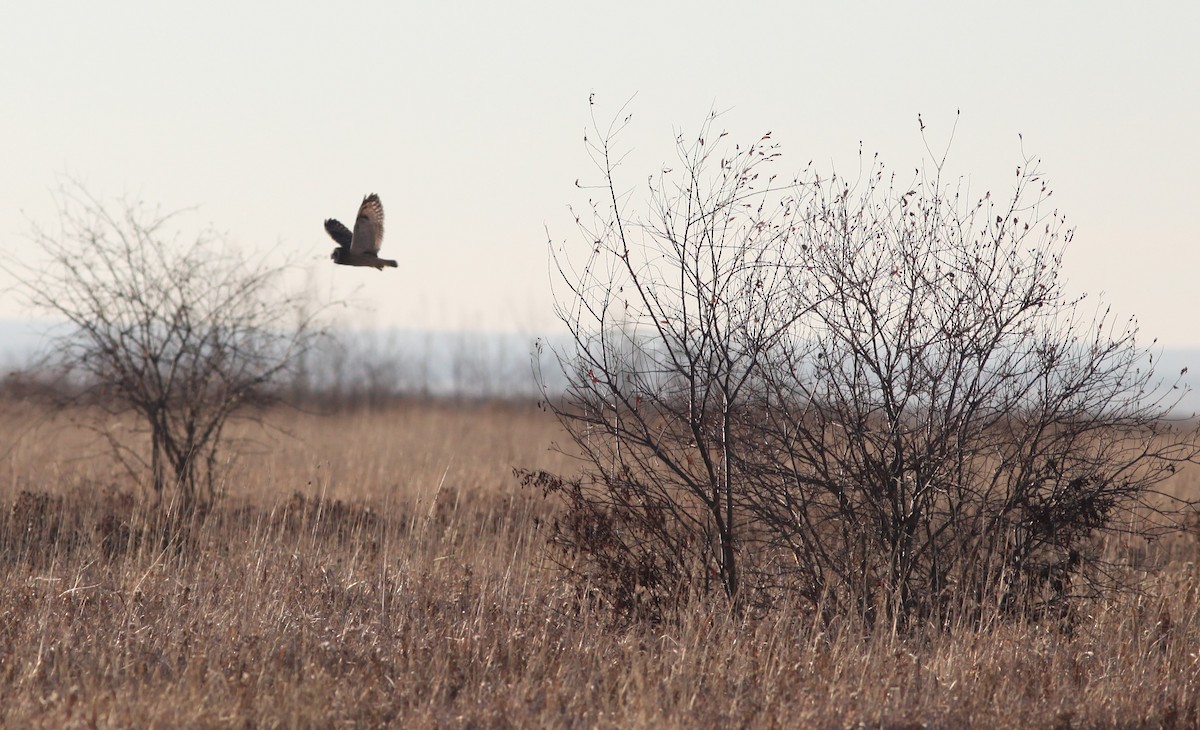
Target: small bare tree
x,y
873,396
671,316
185,334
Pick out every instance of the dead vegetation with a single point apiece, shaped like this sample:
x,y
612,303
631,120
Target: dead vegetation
x,y
386,569
872,391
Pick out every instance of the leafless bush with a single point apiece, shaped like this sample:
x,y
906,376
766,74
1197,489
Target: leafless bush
x,y
183,334
671,318
871,394
948,430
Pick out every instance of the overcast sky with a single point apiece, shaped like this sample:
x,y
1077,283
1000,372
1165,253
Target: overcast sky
x,y
468,119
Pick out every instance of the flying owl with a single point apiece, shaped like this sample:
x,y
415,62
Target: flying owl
x,y
360,248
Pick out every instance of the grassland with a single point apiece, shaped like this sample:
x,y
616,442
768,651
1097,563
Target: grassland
x,y
385,569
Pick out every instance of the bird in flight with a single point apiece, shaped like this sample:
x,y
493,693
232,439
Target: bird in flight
x,y
360,247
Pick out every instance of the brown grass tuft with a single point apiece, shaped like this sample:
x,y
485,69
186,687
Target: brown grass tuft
x,y
385,569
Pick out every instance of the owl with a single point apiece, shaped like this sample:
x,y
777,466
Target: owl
x,y
360,248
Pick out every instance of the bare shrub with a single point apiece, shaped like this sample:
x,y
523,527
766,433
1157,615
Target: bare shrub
x,y
948,429
184,334
870,394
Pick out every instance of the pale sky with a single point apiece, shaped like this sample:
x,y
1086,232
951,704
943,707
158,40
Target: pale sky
x,y
467,119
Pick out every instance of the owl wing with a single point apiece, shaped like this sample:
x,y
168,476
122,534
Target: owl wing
x,y
338,232
368,227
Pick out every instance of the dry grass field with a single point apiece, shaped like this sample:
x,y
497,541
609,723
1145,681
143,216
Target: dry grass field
x,y
385,569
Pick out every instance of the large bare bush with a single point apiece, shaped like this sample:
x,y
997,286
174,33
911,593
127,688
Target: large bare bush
x,y
872,394
948,430
183,332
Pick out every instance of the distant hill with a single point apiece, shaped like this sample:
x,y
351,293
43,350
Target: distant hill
x,y
462,363
20,340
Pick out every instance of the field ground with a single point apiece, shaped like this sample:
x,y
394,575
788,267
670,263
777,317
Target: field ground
x,y
386,569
